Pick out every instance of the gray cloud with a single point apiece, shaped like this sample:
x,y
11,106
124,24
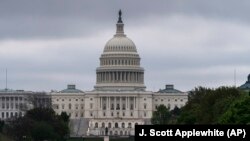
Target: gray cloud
x,y
48,44
63,18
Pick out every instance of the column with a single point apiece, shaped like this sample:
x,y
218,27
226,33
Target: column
x,y
109,77
100,103
114,103
120,104
126,102
134,102
125,77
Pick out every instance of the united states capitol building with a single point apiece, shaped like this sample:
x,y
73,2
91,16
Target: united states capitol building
x,y
118,101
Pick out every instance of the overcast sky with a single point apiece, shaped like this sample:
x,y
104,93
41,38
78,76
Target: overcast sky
x,y
47,44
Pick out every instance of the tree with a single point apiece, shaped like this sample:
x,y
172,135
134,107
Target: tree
x,y
1,125
206,106
238,112
42,131
39,124
161,115
65,117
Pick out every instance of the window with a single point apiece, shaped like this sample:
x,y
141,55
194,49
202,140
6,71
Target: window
x,y
145,114
82,106
131,114
104,107
91,114
123,114
62,99
91,105
96,125
2,114
69,99
169,106
76,106
123,106
109,125
76,114
76,99
103,125
69,105
161,100
129,125
62,106
118,107
123,125
175,100
117,114
145,106
112,106
104,114
131,106
81,114
181,100
116,125
112,114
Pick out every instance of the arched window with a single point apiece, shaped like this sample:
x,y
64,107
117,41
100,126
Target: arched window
x,y
129,125
116,125
96,125
109,125
103,125
123,125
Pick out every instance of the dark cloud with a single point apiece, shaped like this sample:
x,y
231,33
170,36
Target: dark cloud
x,y
64,18
46,44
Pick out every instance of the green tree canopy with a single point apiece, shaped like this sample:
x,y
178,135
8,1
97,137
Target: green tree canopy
x,y
161,115
238,112
206,106
39,124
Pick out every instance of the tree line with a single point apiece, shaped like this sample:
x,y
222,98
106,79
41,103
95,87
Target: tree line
x,y
223,105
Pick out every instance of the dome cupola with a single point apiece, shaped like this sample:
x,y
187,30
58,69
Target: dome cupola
x,y
120,64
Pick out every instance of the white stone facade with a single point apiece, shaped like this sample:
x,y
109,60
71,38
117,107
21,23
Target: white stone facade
x,y
15,103
119,100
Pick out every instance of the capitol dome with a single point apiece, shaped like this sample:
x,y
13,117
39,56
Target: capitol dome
x,y
120,64
120,44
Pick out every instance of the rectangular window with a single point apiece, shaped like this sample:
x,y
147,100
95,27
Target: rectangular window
x,y
91,105
132,107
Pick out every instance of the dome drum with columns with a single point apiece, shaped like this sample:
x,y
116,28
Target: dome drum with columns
x,y
120,64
